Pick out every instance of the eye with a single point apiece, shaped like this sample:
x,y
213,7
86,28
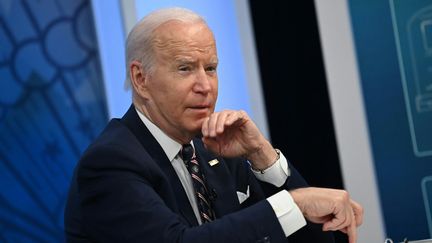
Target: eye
x,y
184,68
211,69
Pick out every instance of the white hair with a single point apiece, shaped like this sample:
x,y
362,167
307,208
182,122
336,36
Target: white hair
x,y
139,43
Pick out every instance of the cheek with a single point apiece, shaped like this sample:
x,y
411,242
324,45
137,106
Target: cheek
x,y
173,101
215,88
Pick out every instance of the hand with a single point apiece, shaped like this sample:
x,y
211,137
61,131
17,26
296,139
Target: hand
x,y
232,134
330,207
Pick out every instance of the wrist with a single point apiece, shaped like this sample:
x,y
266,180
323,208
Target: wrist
x,y
301,197
296,195
263,170
264,157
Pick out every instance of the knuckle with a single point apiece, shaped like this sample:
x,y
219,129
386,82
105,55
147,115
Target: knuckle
x,y
361,210
343,196
243,114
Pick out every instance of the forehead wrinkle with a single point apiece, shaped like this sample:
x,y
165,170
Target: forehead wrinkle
x,y
180,46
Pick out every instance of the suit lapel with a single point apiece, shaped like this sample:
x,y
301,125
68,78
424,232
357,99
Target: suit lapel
x,y
134,123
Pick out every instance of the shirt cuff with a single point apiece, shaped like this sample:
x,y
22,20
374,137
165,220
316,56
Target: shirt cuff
x,y
288,213
276,174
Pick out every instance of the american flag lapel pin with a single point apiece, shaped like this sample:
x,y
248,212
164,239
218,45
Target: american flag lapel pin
x,y
213,162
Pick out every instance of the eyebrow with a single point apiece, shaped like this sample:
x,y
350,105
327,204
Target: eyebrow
x,y
214,60
187,60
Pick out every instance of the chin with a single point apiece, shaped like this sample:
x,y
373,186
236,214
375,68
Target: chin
x,y
196,126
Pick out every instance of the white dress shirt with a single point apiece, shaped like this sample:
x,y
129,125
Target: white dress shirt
x,y
287,212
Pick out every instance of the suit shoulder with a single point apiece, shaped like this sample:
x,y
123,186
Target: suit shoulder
x,y
115,148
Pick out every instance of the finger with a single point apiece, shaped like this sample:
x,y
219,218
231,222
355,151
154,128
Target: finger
x,y
220,123
352,231
344,230
235,117
204,127
337,223
332,224
212,124
342,219
358,212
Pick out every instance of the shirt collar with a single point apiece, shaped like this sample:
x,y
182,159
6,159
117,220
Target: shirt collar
x,y
169,145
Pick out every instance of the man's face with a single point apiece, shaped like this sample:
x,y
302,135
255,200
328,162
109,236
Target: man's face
x,y
182,88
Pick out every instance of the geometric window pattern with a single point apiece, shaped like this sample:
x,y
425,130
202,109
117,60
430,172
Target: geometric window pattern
x,y
52,105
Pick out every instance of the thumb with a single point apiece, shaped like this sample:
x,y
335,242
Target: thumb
x,y
334,224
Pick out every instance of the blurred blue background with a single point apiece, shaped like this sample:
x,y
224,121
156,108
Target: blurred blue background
x,y
395,66
52,105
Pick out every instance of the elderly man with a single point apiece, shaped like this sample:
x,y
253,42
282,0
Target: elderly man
x,y
173,170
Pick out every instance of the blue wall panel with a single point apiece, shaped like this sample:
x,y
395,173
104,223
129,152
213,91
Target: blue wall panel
x,y
398,114
52,104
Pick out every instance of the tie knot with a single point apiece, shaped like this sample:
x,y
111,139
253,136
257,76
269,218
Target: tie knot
x,y
187,152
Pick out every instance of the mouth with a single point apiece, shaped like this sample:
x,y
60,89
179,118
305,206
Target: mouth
x,y
200,106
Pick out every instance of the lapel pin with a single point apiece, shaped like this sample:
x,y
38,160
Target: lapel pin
x,y
213,162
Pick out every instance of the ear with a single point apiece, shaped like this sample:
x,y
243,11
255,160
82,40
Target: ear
x,y
138,78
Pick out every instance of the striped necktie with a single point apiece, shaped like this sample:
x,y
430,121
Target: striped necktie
x,y
201,191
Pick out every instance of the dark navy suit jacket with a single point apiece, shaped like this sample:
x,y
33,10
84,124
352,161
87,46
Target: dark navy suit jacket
x,y
125,189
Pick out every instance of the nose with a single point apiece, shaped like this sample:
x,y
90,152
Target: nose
x,y
202,82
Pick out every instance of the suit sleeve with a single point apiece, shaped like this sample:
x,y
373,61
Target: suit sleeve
x,y
123,202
